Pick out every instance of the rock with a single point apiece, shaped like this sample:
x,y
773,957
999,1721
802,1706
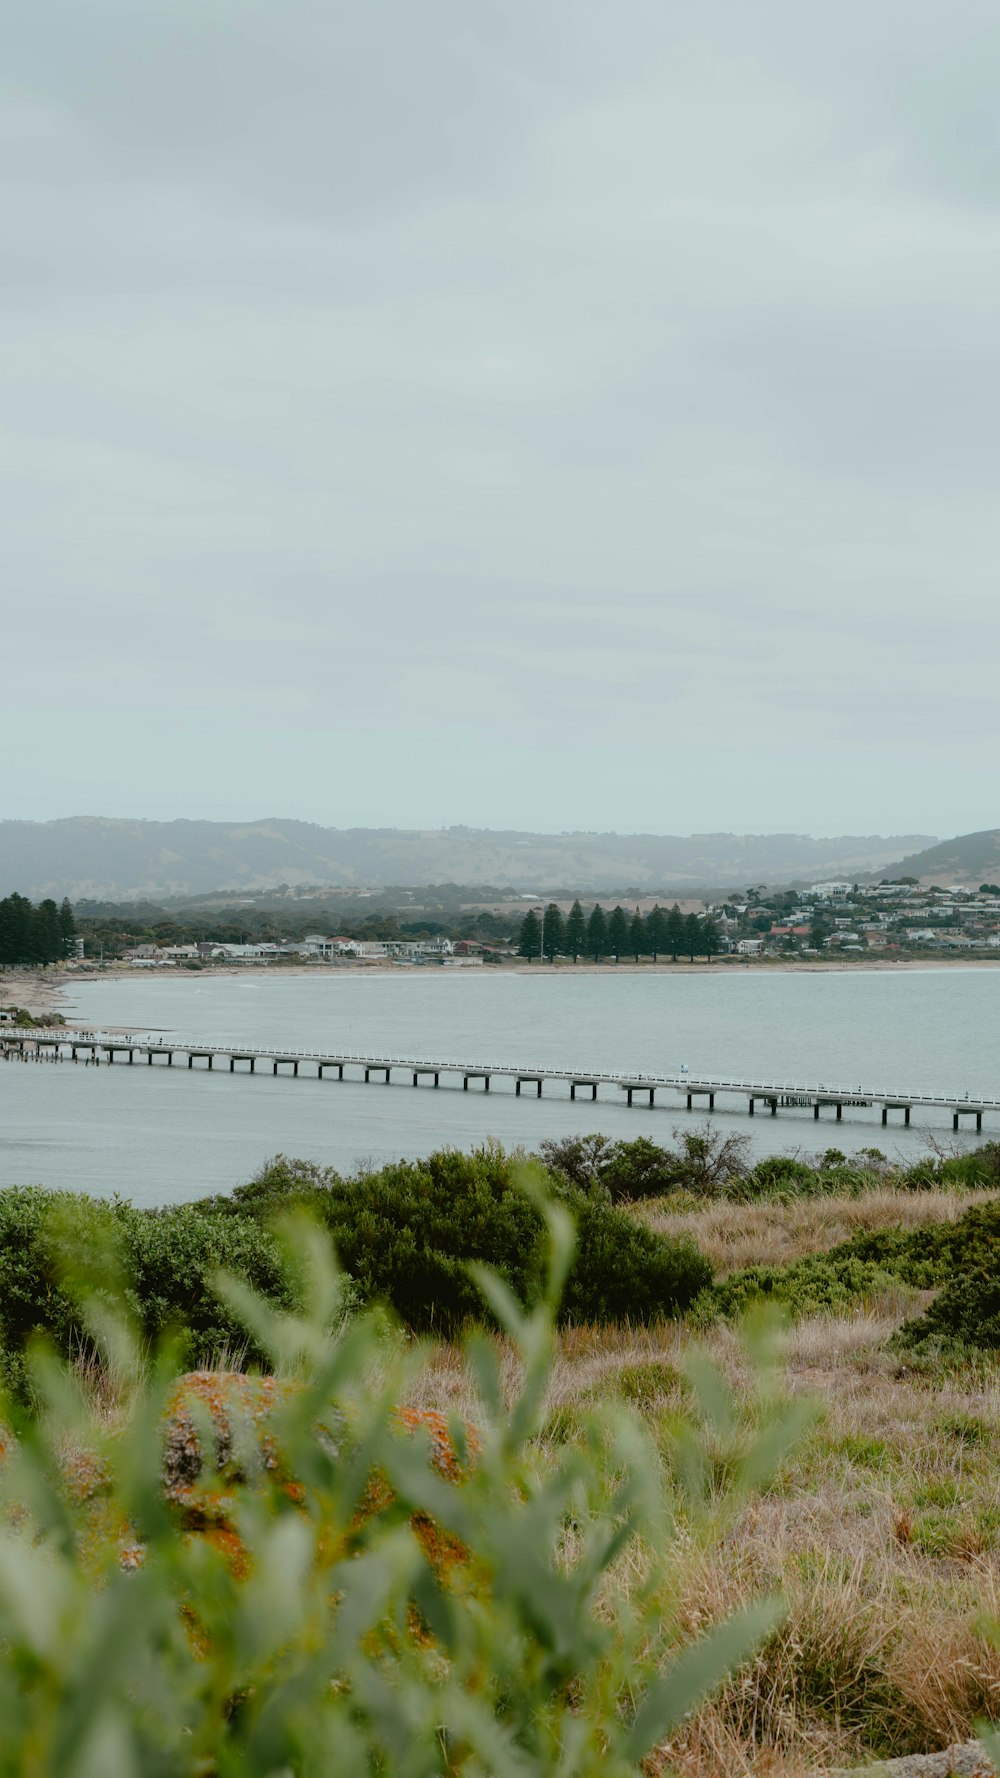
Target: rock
x,y
965,1759
239,1409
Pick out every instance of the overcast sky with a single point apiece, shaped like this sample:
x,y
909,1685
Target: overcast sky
x,y
539,413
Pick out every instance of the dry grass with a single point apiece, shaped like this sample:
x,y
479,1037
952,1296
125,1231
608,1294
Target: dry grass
x,y
736,1235
882,1531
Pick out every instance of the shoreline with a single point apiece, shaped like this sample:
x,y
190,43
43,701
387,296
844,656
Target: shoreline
x,y
41,993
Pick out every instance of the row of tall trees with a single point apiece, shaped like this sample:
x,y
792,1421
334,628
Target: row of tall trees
x,y
34,935
663,932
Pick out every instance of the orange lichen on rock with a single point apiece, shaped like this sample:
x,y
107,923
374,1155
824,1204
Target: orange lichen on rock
x,y
235,1403
444,1456
85,1476
219,1438
200,1483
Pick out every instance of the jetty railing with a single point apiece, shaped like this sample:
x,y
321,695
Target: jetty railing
x,y
70,1042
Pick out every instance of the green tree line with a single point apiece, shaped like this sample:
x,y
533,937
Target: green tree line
x,y
663,932
35,935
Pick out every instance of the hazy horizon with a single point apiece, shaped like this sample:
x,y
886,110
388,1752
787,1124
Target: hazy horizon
x,y
560,419
86,858
479,827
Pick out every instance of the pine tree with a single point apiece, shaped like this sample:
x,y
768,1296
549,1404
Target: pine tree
x,y
67,929
8,921
576,931
656,921
692,936
597,933
674,932
637,935
710,936
553,931
47,934
529,942
617,932
30,935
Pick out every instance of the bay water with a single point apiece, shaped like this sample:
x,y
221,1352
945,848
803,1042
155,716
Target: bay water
x,y
158,1135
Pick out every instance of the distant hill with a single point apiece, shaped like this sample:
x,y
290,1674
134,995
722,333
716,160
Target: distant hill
x,y
971,859
93,857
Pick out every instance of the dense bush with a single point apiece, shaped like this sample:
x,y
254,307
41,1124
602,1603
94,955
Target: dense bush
x,y
407,1233
930,1255
33,1260
172,1258
965,1316
625,1170
164,1261
974,1171
705,1162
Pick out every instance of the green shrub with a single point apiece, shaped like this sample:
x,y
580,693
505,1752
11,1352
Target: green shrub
x,y
33,1254
625,1272
282,1185
710,1164
172,1258
135,1643
779,1176
929,1255
821,1283
640,1169
407,1234
625,1171
705,1162
955,1253
965,1315
164,1261
977,1170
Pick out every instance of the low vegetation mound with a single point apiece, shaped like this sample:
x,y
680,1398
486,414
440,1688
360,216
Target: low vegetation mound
x,y
965,1315
963,1256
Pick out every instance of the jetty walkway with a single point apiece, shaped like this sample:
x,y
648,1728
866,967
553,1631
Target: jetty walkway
x,y
70,1044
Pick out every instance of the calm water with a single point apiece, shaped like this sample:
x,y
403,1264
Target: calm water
x,y
157,1135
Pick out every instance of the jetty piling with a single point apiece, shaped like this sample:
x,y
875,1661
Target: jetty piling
x,y
37,1044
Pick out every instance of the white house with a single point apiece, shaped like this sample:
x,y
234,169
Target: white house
x,y
243,953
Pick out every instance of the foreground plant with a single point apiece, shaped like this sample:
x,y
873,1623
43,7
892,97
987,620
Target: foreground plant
x,y
328,1635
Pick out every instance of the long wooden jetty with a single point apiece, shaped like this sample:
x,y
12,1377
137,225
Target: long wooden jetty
x,y
69,1043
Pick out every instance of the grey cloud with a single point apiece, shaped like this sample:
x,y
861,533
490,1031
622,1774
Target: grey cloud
x,y
545,381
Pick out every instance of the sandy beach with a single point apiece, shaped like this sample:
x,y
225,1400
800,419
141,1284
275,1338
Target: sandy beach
x,y
43,993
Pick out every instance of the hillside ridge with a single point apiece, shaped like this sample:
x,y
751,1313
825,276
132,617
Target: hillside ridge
x,y
106,857
969,858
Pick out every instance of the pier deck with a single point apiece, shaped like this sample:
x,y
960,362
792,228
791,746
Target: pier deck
x,y
70,1044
